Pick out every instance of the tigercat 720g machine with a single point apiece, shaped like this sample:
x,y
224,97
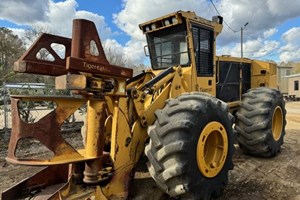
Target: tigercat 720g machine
x,y
175,113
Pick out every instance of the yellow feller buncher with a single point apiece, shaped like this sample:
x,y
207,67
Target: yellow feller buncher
x,y
180,113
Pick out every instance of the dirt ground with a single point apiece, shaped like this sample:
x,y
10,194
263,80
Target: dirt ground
x,y
252,178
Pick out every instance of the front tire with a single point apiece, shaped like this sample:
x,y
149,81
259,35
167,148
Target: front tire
x,y
260,123
191,147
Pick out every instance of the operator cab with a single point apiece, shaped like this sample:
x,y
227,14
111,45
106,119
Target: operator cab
x,y
167,39
186,40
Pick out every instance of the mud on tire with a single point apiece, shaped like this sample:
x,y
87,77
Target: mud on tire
x,y
172,148
256,122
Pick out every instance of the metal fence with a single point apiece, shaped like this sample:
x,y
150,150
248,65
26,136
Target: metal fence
x,y
33,111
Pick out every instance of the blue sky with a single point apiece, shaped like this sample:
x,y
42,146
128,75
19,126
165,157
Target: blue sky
x,y
273,32
105,8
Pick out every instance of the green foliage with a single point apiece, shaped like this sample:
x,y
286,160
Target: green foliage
x,y
11,48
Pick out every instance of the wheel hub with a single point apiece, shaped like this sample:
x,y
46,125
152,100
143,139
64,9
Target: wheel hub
x,y
212,149
277,123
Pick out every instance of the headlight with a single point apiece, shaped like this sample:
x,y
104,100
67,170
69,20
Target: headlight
x,y
147,28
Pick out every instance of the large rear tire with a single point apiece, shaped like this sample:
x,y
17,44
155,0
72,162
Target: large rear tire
x,y
260,123
191,147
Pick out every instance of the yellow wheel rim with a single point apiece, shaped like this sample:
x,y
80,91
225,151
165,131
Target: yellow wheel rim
x,y
212,149
277,123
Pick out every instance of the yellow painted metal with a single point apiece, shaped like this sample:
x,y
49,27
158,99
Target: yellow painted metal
x,y
108,127
99,194
177,83
114,130
163,81
69,155
121,140
141,81
158,103
109,104
212,149
202,83
160,24
95,127
233,106
139,102
228,58
143,100
188,79
207,85
73,191
169,87
180,16
94,139
277,123
139,135
263,74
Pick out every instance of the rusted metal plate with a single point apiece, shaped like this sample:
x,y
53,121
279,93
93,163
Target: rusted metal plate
x,y
46,131
86,43
29,63
77,64
47,68
45,41
83,53
87,53
52,175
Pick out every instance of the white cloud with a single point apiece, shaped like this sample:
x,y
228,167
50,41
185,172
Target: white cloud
x,y
291,50
270,32
284,9
60,15
57,19
134,52
263,17
138,11
20,11
251,49
113,45
292,37
131,52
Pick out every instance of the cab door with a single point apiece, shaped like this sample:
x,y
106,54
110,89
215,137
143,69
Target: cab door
x,y
204,58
